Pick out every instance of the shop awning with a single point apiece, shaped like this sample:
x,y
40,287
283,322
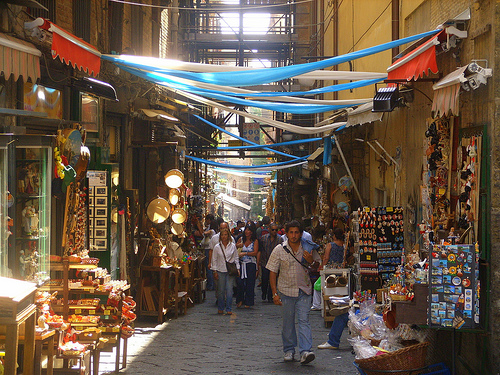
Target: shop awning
x,y
98,88
446,93
69,48
362,115
235,202
416,63
158,114
19,58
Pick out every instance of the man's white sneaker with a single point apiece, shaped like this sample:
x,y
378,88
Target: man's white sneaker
x,y
326,345
307,357
288,357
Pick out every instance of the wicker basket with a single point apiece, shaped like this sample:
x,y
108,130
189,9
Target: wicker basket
x,y
409,358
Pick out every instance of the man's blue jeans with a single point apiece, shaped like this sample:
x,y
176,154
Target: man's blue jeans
x,y
300,306
225,291
338,325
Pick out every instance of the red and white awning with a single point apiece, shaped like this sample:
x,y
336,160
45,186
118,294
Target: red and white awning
x,y
422,60
69,48
417,63
19,58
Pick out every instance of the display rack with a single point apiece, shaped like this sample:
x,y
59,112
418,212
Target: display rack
x,y
380,238
106,315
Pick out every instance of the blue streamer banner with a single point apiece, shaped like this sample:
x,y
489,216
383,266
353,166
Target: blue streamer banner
x,y
249,167
297,142
243,139
268,75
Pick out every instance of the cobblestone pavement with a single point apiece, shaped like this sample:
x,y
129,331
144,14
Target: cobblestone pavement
x,y
247,342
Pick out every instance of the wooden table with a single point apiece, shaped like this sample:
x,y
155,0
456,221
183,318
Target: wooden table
x,y
17,301
164,292
46,337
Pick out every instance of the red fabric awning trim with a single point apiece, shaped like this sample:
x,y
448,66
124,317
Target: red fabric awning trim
x,y
72,50
417,63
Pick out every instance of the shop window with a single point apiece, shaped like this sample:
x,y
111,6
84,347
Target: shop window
x,y
164,25
50,15
90,112
115,26
137,31
81,19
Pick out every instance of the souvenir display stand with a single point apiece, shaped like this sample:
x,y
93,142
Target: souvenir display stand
x,y
380,235
17,300
454,286
90,300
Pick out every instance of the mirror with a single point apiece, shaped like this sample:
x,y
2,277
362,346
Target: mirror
x,y
158,210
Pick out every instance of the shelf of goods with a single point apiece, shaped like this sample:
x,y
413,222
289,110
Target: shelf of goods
x,y
90,302
380,233
334,282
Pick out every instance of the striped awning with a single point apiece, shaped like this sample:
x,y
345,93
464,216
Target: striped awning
x,y
19,58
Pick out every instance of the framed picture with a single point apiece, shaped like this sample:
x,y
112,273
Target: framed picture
x,y
101,190
101,212
100,243
101,223
91,222
101,201
91,201
91,212
100,233
91,191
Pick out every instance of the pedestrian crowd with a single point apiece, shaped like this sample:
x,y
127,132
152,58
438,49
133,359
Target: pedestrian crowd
x,y
286,263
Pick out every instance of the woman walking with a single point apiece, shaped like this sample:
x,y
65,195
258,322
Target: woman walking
x,y
248,248
335,251
224,251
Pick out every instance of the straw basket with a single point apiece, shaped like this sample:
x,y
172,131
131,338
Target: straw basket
x,y
409,358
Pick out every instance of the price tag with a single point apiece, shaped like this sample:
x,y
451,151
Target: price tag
x,y
78,311
368,257
389,209
116,329
106,317
92,312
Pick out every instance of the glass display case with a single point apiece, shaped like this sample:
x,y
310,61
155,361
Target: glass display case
x,y
27,164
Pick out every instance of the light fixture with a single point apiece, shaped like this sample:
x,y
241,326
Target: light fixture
x,y
158,210
386,99
174,178
179,216
174,196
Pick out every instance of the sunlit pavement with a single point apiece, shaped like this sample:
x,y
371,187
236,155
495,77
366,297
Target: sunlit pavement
x,y
247,342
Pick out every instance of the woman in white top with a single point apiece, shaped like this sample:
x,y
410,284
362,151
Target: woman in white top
x,y
248,247
224,250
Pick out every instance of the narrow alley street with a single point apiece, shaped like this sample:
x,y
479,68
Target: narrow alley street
x,y
247,342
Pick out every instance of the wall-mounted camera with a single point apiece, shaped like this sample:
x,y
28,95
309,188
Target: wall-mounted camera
x,y
476,76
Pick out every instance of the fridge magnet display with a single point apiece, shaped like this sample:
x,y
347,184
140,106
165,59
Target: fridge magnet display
x,y
91,201
454,296
101,190
91,190
101,201
91,222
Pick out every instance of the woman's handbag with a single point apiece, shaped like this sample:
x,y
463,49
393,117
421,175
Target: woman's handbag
x,y
232,270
